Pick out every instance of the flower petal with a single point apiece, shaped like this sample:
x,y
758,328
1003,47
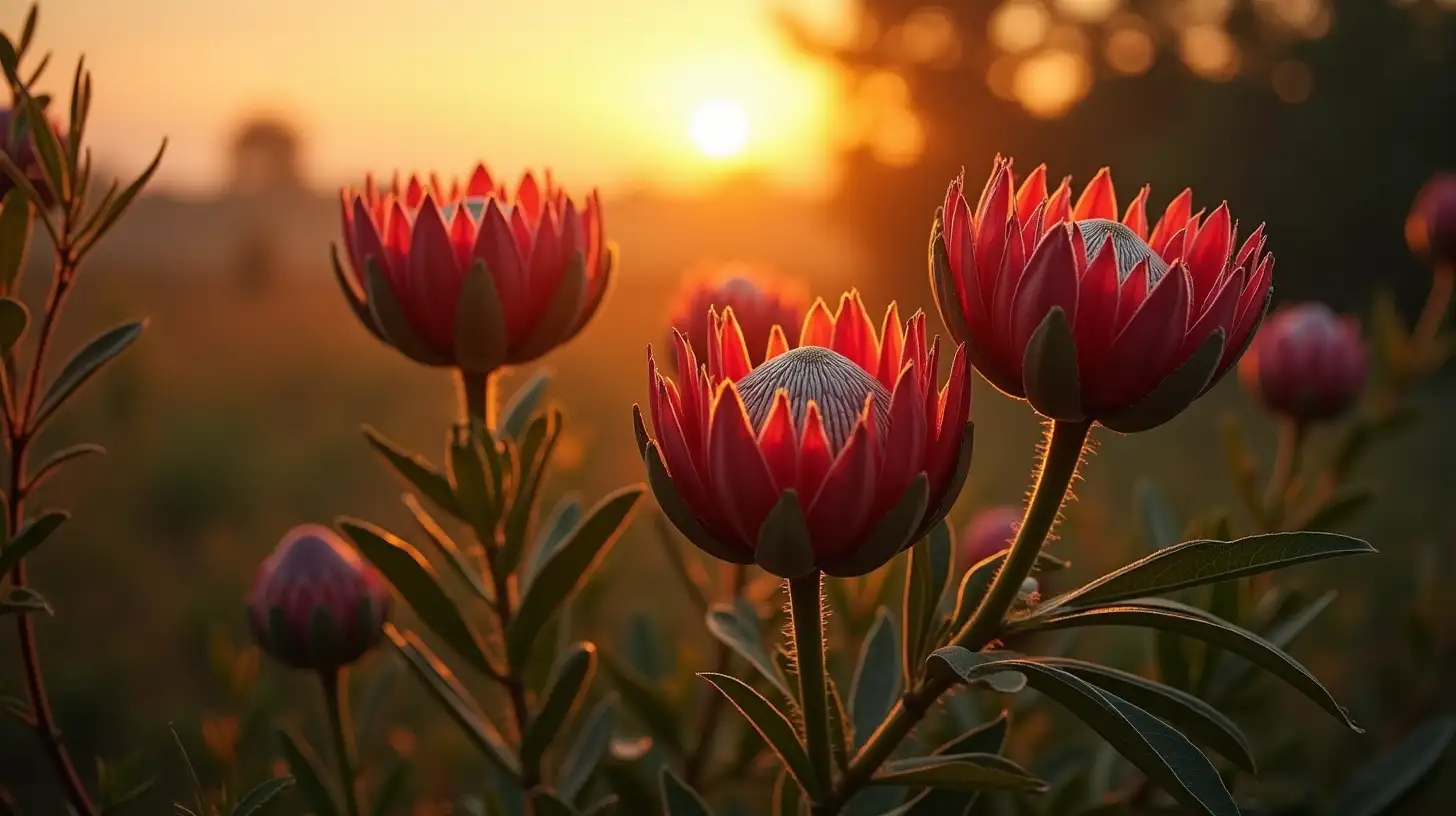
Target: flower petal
x,y
779,442
733,350
1209,256
838,514
1033,194
1050,280
1174,219
1098,200
495,244
854,334
815,457
892,346
1136,217
739,479
905,442
1144,351
818,326
1097,307
434,277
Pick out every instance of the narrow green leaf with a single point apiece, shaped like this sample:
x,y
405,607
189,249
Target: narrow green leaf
x,y
916,610
1159,521
1159,751
537,444
14,319
1379,786
977,582
787,798
553,532
420,474
257,800
592,738
647,702
564,571
987,738
770,723
442,685
678,799
416,582
564,691
607,806
23,601
1226,603
389,795
1194,563
959,772
108,217
468,572
31,534
1197,624
876,684
84,366
308,772
1234,672
1173,660
48,150
477,496
942,558
731,626
61,457
839,726
548,803
1194,717
524,404
16,214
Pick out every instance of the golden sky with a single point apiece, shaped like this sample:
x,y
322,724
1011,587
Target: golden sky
x,y
602,90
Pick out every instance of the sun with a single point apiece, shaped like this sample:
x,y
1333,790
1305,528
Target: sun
x,y
719,128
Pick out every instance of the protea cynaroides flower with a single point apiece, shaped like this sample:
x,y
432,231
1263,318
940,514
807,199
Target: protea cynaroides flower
x,y
1431,227
762,304
991,530
1307,363
475,276
834,455
1090,316
315,603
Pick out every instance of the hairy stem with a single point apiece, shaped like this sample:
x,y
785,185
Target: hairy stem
x,y
806,611
479,397
1058,466
336,697
1281,476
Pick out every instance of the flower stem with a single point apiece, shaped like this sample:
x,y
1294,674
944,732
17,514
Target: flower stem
x,y
1058,466
336,697
1438,301
1281,476
806,610
479,397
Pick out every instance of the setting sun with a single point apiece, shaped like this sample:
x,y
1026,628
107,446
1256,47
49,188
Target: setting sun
x,y
719,128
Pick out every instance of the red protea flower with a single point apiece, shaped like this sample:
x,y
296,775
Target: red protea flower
x,y
1307,363
1092,317
762,304
1431,227
474,276
990,531
315,603
834,455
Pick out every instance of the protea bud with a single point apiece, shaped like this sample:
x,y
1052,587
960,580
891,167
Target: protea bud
x,y
315,603
20,149
476,276
761,303
990,531
1307,363
1431,227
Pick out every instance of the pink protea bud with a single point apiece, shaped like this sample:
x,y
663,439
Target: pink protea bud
x,y
1307,363
1431,227
990,531
315,603
20,149
765,306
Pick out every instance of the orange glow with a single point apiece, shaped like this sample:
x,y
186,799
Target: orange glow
x,y
1209,51
719,128
1092,11
1050,83
1020,25
1129,50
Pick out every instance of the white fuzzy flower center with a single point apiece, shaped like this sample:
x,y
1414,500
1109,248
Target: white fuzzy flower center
x,y
832,381
1126,245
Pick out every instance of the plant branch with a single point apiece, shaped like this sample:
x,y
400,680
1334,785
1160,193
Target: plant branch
x,y
336,696
1281,475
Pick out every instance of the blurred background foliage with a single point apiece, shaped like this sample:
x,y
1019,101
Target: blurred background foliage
x,y
238,415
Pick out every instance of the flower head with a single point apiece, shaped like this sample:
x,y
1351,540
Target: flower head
x,y
315,604
1092,316
1431,227
834,455
990,531
1307,363
761,303
19,147
476,275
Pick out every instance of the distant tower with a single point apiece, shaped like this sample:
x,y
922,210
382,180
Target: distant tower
x,y
266,183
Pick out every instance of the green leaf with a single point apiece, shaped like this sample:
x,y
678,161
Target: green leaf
x,y
977,582
257,800
917,610
16,213
1195,623
839,725
1226,601
564,571
1159,521
1233,674
1164,754
107,217
876,684
1194,717
48,150
468,572
14,319
537,444
32,534
23,601
680,800
524,404
564,691
415,581
1194,563
592,738
1174,666
987,738
733,627
770,723
646,701
607,806
787,798
477,496
388,796
420,474
1379,786
60,457
84,366
552,535
548,803
959,772
308,772
442,685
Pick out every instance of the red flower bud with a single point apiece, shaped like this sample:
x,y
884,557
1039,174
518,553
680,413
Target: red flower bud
x,y
761,303
990,531
20,149
1307,363
1092,316
315,603
476,276
1431,227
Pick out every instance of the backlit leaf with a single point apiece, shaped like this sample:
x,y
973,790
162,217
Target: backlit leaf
x,y
1382,784
82,367
771,724
876,684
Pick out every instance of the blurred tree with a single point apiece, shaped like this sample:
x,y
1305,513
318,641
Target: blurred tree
x,y
1320,116
266,175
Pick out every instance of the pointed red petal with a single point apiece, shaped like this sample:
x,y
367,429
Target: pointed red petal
x,y
1099,199
462,236
779,442
481,184
1050,280
734,349
414,193
1059,204
1209,256
1175,218
837,515
495,244
1222,309
1033,194
364,243
954,412
528,198
854,334
815,457
1097,307
1136,217
990,231
1143,353
892,346
905,443
818,326
740,484
777,343
434,278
